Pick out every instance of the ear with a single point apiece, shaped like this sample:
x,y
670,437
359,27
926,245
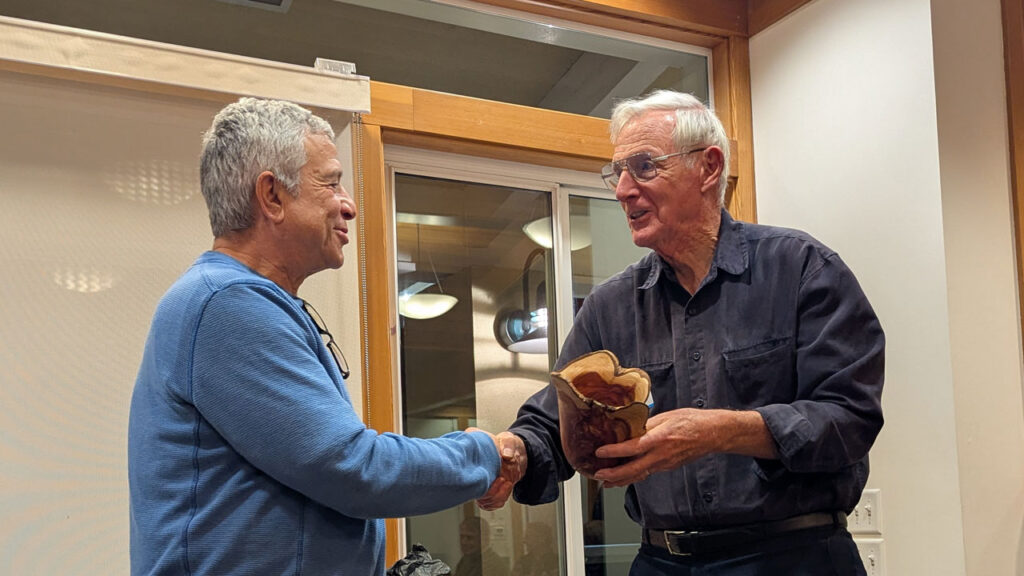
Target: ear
x,y
267,196
712,162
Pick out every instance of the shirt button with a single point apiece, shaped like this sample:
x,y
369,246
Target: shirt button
x,y
695,356
708,497
691,311
699,403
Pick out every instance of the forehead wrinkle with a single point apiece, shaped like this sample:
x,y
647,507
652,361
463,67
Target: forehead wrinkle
x,y
648,133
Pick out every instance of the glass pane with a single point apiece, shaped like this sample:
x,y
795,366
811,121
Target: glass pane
x,y
610,538
459,366
416,43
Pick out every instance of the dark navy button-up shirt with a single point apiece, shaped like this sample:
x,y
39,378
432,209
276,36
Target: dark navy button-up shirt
x,y
779,325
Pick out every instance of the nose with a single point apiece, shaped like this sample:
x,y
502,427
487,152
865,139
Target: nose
x,y
348,205
626,188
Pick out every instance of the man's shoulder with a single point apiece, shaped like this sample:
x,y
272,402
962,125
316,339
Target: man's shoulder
x,y
780,240
214,274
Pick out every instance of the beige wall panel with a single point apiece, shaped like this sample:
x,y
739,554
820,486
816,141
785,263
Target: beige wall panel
x,y
981,279
102,212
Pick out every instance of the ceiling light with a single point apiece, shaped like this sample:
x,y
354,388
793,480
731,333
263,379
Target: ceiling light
x,y
539,231
413,303
423,306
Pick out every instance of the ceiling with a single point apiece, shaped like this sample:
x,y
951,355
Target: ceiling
x,y
458,51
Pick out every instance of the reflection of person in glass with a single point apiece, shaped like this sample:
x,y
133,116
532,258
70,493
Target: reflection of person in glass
x,y
478,558
245,455
766,362
541,557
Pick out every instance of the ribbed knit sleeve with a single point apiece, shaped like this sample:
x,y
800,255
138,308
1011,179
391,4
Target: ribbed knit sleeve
x,y
262,378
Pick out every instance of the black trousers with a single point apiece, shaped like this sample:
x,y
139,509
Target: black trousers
x,y
827,552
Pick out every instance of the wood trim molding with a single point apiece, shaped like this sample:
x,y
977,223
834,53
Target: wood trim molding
x,y
763,13
1013,56
494,151
420,119
437,114
376,312
731,58
376,211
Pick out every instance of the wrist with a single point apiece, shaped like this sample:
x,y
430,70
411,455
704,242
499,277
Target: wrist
x,y
744,432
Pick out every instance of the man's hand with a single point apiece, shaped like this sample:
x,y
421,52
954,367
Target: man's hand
x,y
513,467
680,436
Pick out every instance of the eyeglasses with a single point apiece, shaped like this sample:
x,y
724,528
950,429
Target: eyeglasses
x,y
641,167
321,327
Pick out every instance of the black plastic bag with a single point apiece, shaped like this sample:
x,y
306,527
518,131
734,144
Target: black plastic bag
x,y
419,563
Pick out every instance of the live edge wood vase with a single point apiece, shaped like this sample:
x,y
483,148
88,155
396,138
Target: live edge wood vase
x,y
599,402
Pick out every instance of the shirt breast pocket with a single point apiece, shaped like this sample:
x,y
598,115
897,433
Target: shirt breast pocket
x,y
761,374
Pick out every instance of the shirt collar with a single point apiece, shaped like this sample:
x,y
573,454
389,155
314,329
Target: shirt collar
x,y
731,254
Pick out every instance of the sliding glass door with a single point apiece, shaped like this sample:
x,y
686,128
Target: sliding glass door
x,y
492,259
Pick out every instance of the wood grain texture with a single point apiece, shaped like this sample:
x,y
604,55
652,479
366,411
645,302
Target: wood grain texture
x,y
722,84
494,151
1013,56
377,314
744,205
732,103
429,113
763,13
391,105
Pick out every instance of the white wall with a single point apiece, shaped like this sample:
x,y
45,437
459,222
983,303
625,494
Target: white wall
x,y
846,144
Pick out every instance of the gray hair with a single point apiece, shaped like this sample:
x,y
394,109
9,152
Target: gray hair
x,y
695,126
247,138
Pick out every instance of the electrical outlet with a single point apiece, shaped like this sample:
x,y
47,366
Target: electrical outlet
x,y
866,517
872,553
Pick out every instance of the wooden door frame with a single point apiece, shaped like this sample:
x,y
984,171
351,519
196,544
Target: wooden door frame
x,y
463,125
459,124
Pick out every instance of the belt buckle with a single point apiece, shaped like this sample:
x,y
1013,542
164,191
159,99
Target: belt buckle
x,y
668,541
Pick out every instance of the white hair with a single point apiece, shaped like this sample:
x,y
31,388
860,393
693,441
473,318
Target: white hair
x,y
695,124
247,138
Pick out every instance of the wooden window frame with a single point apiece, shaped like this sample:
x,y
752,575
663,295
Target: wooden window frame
x,y
459,124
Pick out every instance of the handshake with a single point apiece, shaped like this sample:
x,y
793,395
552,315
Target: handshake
x,y
512,451
600,404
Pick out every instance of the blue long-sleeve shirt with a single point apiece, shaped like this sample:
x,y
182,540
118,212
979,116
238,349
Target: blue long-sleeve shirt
x,y
779,325
245,455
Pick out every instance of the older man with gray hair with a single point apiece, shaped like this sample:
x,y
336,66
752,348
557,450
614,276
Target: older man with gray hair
x,y
766,362
245,455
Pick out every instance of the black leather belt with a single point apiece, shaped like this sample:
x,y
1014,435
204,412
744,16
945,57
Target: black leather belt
x,y
716,541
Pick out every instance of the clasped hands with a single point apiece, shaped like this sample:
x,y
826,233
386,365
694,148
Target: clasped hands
x,y
672,439
513,466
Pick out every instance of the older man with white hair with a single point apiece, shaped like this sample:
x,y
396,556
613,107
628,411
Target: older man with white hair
x,y
766,362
